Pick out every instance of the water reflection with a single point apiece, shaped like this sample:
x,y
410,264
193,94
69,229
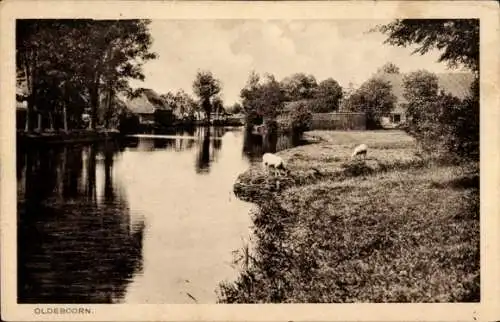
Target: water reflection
x,y
142,220
254,145
209,148
75,244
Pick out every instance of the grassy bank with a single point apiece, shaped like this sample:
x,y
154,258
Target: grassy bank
x,y
396,228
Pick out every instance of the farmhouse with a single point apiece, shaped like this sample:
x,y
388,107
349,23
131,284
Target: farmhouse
x,y
146,105
457,84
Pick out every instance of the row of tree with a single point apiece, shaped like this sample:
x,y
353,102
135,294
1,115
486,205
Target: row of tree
x,y
264,98
67,65
207,89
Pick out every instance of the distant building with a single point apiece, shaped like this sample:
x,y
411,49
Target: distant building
x,y
145,106
457,84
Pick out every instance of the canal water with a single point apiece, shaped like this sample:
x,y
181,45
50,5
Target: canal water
x,y
149,219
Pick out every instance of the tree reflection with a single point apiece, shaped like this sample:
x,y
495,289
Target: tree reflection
x,y
74,247
255,145
203,156
109,193
160,144
72,171
269,141
217,142
90,185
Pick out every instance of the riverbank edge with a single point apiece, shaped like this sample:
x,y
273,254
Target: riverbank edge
x,y
43,138
256,286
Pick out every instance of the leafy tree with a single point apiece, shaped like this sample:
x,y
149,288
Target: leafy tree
x,y
374,98
118,51
458,39
235,108
218,104
262,100
439,121
170,99
34,39
388,68
327,96
249,96
181,102
205,86
301,118
63,61
299,86
420,89
420,85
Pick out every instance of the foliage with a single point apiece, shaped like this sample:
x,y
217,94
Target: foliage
x,y
236,108
458,39
218,104
388,68
456,127
301,118
327,96
299,86
62,61
324,97
205,86
439,121
374,97
183,105
462,122
262,100
420,85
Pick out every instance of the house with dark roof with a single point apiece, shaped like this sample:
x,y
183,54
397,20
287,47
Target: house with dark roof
x,y
145,105
456,84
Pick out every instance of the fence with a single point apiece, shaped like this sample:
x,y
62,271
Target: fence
x,y
338,121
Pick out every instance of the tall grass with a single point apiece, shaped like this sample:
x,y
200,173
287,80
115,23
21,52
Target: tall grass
x,y
387,229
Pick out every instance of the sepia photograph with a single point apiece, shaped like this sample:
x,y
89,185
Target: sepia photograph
x,y
244,161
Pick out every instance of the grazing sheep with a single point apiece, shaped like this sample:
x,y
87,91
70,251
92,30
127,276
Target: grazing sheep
x,y
361,149
270,160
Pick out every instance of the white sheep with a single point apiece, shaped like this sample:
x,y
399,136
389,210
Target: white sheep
x,y
270,160
361,149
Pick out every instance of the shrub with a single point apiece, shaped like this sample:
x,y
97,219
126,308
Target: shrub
x,y
446,124
301,118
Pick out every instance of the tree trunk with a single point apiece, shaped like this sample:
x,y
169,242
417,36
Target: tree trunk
x,y
208,109
51,122
33,90
65,118
29,115
94,101
39,122
29,110
109,112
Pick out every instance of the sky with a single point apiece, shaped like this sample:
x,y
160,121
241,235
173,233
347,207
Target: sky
x,y
341,49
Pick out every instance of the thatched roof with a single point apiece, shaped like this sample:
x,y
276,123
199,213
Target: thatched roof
x,y
146,102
